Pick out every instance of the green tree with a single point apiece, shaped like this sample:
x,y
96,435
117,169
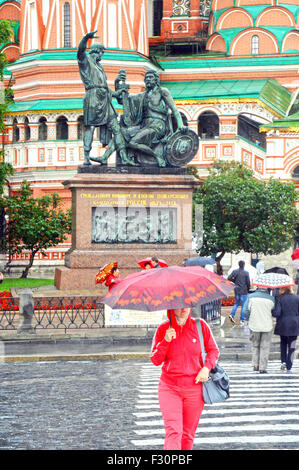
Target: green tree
x,y
241,212
34,224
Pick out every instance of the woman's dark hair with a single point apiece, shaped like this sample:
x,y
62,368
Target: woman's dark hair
x,y
148,263
114,269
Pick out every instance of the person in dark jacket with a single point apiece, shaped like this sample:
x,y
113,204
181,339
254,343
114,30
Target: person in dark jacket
x,y
286,311
241,279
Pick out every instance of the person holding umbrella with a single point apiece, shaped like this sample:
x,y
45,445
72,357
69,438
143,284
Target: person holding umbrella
x,y
113,278
286,311
109,274
176,345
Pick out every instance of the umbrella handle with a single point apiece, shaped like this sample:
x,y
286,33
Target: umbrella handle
x,y
169,318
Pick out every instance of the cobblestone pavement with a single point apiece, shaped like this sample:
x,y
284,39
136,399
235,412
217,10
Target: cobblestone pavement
x,y
113,405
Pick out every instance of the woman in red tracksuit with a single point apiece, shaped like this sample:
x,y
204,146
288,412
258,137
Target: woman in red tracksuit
x,y
176,344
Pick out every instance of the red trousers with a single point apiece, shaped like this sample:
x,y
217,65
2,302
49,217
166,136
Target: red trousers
x,y
181,409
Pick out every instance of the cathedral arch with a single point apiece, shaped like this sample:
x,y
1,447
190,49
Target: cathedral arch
x,y
234,16
290,42
291,160
240,3
10,10
220,4
241,45
216,43
276,17
12,52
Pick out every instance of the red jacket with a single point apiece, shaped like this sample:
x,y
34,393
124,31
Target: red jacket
x,y
111,281
181,357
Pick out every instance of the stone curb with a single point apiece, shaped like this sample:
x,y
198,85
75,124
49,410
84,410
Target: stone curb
x,y
110,356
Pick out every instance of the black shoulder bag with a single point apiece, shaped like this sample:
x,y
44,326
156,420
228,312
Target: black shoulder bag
x,y
216,389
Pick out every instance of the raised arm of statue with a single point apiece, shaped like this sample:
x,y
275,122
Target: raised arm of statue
x,y
83,44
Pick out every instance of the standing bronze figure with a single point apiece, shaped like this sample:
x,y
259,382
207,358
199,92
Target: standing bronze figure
x,y
144,136
97,104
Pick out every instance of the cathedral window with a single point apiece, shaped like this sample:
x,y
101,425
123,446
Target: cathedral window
x,y
208,125
66,25
157,16
255,45
15,131
42,129
62,130
249,129
295,175
27,129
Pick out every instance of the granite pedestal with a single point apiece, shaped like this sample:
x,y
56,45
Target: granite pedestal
x,y
126,215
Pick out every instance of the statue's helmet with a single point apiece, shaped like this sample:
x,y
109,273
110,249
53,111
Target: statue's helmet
x,y
96,47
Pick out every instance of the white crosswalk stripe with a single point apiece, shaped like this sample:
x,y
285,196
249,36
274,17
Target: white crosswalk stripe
x,y
262,412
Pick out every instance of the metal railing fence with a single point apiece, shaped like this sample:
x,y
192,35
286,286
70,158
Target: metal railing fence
x,y
71,313
55,313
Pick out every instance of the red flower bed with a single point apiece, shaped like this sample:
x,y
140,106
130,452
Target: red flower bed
x,y
228,302
6,303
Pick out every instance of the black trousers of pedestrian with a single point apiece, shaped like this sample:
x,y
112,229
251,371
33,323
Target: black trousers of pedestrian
x,y
287,350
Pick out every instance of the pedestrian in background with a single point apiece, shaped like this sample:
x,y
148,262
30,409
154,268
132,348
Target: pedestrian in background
x,y
176,345
155,262
1,277
286,312
113,278
258,311
241,279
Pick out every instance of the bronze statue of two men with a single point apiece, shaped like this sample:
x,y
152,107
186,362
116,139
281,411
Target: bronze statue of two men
x,y
143,136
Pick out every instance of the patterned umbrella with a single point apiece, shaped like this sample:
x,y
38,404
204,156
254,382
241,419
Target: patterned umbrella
x,y
104,272
168,288
273,280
